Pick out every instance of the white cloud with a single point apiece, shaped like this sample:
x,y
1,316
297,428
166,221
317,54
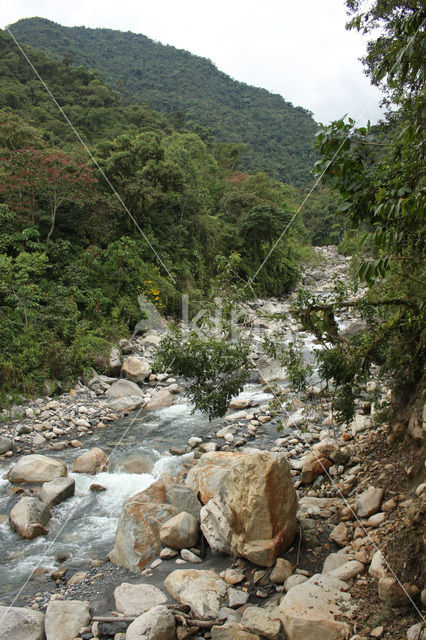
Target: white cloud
x,y
298,49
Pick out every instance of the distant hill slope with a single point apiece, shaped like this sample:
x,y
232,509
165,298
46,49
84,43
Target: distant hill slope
x,y
279,136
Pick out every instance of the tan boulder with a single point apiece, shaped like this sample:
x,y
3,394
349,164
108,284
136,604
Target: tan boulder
x,y
136,369
160,400
314,466
65,618
91,462
28,518
206,477
253,515
37,468
309,611
202,590
135,599
180,532
137,540
266,624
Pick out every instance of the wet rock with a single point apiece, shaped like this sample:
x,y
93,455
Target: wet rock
x,y
91,462
28,518
136,369
36,468
253,515
77,578
19,623
259,621
137,462
57,491
308,611
64,619
281,571
202,590
239,403
180,532
135,599
137,539
160,399
368,502
156,624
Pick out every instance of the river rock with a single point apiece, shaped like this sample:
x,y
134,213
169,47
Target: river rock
x,y
180,532
137,539
202,590
346,571
28,518
57,491
281,571
65,618
270,370
368,502
91,462
262,622
206,477
135,599
136,369
232,631
114,362
156,624
137,462
19,623
308,610
5,445
36,468
123,388
253,515
313,466
335,560
160,400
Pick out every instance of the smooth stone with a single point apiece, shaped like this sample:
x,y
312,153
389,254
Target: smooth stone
x,y
136,599
36,468
65,618
57,491
20,623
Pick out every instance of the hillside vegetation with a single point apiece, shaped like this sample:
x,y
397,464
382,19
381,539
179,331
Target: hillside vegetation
x,y
278,136
74,257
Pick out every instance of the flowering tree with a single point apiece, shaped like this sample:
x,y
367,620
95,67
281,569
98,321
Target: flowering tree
x,y
36,183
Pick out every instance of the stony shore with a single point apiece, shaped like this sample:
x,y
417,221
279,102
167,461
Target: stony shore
x,y
307,571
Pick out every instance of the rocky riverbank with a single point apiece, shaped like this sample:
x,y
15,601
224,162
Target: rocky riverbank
x,y
304,522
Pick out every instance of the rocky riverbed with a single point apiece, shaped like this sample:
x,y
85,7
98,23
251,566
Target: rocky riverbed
x,y
118,504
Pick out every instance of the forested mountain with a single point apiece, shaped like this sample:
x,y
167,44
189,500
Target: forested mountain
x,y
74,258
278,136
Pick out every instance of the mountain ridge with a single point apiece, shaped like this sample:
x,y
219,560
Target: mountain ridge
x,y
278,136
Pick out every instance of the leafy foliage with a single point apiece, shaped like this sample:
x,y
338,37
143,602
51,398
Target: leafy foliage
x,y
215,367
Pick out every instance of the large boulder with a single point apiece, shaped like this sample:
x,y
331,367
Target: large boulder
x,y
206,477
18,623
137,540
28,518
136,369
180,532
202,590
308,611
270,370
36,468
135,599
160,400
156,624
123,388
253,514
65,618
57,491
127,403
91,462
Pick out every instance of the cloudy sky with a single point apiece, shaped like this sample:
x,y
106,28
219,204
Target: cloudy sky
x,y
298,48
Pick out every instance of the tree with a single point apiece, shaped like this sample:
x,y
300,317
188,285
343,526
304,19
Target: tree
x,y
35,182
